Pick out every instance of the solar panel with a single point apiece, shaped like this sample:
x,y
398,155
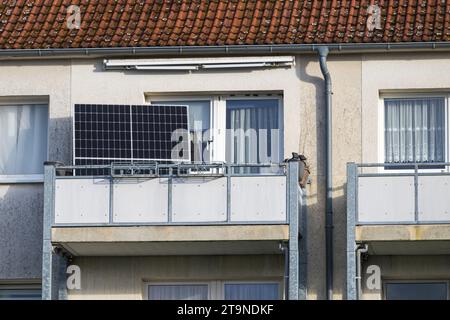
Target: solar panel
x,y
105,134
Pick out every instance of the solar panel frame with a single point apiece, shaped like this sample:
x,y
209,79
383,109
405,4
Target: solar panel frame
x,y
118,142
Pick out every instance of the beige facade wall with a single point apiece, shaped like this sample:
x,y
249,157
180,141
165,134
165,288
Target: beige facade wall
x,y
358,81
21,205
406,268
346,115
125,277
396,73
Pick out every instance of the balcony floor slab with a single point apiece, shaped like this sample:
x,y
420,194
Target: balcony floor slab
x,y
171,240
405,239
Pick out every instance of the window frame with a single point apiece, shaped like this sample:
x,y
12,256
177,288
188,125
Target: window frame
x,y
381,128
20,286
218,114
26,178
386,282
216,288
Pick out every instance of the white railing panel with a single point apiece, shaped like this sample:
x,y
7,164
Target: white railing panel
x,y
84,200
199,199
258,198
434,198
193,199
385,199
140,200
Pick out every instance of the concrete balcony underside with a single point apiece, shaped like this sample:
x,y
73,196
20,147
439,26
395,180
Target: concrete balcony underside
x,y
171,240
405,239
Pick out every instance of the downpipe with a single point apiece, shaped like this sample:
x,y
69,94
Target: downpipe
x,y
360,250
284,247
323,54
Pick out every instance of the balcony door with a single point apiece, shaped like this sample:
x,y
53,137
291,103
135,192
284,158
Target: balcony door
x,y
253,131
234,128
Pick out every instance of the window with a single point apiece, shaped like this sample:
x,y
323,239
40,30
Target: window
x,y
252,127
20,292
416,291
178,292
233,128
23,139
415,130
252,291
199,124
215,290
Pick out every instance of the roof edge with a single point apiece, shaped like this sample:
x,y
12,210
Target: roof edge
x,y
222,50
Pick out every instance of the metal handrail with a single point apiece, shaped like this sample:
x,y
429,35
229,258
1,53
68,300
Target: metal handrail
x,y
402,164
171,170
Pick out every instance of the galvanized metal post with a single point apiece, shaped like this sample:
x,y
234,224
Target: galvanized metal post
x,y
352,202
293,211
228,175
111,194
47,252
416,193
169,194
303,246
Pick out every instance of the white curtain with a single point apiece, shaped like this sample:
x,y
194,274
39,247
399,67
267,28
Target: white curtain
x,y
252,131
252,291
23,139
178,292
414,130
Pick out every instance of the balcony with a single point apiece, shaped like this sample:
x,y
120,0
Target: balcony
x,y
397,210
167,209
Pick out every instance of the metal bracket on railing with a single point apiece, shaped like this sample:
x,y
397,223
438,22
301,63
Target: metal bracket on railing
x,y
201,170
134,170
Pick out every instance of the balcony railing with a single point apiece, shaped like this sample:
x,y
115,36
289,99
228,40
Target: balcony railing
x,y
417,193
167,194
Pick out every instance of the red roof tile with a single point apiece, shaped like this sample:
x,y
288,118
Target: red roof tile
x,y
138,23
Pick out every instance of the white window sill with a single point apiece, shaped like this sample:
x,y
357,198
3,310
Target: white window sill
x,y
18,179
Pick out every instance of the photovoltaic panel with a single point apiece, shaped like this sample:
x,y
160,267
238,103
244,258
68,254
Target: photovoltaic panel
x,y
105,134
156,132
102,131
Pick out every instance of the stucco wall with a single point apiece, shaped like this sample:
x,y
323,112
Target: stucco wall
x,y
346,117
21,204
124,277
20,231
396,72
